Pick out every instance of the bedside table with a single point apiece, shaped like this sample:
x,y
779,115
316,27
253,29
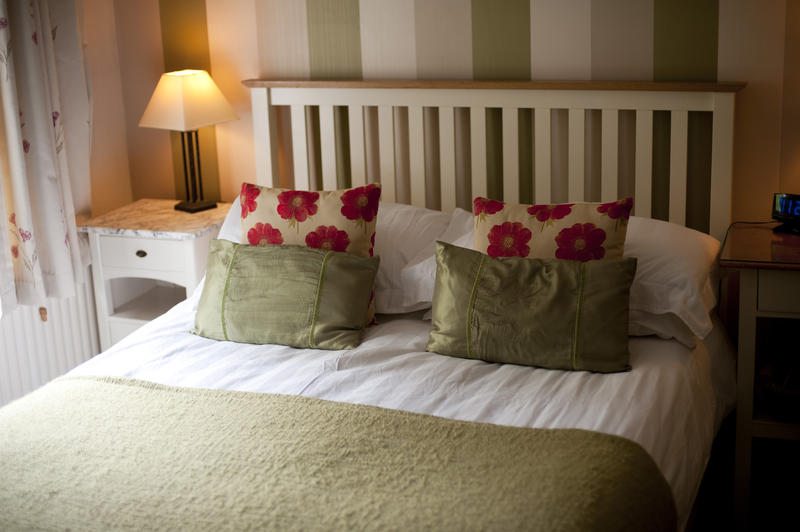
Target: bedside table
x,y
146,257
769,287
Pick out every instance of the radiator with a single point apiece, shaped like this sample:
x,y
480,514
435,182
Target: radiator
x,y
33,351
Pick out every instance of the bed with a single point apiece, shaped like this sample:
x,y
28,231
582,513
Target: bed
x,y
169,429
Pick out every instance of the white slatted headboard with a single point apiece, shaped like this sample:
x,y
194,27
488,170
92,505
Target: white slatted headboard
x,y
426,139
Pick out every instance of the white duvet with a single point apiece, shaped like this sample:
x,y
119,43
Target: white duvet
x,y
671,402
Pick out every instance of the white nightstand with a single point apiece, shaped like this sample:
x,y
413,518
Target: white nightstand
x,y
146,257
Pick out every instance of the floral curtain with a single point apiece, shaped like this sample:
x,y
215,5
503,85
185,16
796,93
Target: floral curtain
x,y
39,249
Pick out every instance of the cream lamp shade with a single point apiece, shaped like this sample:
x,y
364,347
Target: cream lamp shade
x,y
186,100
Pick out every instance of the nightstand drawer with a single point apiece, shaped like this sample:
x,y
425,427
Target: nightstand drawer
x,y
142,253
778,291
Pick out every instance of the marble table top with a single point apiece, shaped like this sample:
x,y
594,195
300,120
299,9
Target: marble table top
x,y
156,218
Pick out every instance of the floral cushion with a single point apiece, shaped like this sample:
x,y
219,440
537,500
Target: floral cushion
x,y
572,231
338,220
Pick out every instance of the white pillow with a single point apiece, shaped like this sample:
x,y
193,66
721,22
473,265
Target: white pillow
x,y
642,323
673,279
419,276
402,232
232,226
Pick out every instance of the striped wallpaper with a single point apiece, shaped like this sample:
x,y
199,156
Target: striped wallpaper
x,y
734,40
490,39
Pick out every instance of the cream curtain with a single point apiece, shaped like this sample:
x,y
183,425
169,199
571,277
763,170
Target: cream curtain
x,y
39,249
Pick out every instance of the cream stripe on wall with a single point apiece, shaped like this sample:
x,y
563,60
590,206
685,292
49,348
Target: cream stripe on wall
x,y
388,47
388,50
622,39
282,33
443,39
561,46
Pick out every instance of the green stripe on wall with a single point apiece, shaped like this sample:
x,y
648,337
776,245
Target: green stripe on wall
x,y
184,37
501,49
685,40
501,39
334,39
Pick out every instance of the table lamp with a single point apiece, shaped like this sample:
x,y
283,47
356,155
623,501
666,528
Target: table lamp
x,y
185,101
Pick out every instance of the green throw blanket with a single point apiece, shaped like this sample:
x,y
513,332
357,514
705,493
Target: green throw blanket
x,y
109,453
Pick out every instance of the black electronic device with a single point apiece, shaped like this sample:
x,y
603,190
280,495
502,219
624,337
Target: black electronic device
x,y
786,209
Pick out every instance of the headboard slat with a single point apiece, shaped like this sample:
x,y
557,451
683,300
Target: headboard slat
x,y
510,154
300,147
643,206
327,136
386,148
416,155
721,164
577,148
263,136
447,157
609,182
678,140
543,173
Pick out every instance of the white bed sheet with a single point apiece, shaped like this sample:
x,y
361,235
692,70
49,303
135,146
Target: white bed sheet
x,y
671,402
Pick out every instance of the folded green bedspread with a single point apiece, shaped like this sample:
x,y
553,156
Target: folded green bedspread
x,y
109,453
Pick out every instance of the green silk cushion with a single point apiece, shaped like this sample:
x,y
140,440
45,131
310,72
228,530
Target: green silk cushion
x,y
288,295
552,313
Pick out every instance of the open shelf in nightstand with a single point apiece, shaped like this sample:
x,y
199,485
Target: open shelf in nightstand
x,y
150,304
765,426
776,393
137,301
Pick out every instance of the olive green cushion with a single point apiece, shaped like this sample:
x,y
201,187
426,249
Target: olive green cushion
x,y
551,313
288,295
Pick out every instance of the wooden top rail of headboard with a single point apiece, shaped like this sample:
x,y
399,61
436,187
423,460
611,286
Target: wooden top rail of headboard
x,y
684,86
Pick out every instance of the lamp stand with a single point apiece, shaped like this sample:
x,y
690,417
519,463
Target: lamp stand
x,y
192,176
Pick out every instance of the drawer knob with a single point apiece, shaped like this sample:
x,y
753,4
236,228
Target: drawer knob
x,y
141,253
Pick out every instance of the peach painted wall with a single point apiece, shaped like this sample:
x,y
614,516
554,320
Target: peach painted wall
x,y
110,176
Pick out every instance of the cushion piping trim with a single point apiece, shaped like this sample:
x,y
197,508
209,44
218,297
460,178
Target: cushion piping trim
x,y
578,309
225,292
471,306
317,298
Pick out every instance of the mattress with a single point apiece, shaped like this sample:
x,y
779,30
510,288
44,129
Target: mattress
x,y
671,402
